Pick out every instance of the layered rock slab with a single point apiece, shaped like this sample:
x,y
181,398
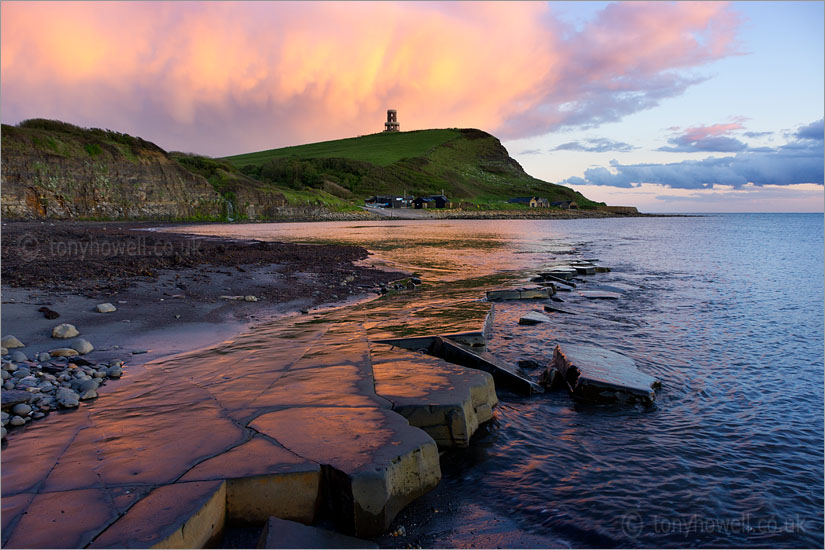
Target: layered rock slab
x,y
447,401
374,462
280,533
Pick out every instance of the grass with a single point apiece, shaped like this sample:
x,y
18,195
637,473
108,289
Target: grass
x,y
379,149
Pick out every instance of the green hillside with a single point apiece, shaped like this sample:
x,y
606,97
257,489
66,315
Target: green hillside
x,y
379,149
469,165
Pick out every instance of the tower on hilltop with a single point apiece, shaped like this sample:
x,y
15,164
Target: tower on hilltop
x,y
392,121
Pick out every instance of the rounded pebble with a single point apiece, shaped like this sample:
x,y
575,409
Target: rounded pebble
x,y
18,356
64,330
21,409
17,421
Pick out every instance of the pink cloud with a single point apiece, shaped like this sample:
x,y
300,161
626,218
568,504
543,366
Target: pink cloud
x,y
697,133
222,78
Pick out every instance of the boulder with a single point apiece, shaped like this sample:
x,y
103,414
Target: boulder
x,y
82,346
18,356
105,308
64,330
115,371
10,398
532,293
67,398
63,352
21,409
10,342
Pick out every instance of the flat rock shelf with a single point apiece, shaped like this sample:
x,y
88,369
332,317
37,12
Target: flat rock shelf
x,y
302,417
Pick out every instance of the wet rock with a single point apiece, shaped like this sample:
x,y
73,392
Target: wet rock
x,y
27,382
67,398
504,374
10,367
10,342
49,313
600,269
4,418
91,394
415,280
599,295
105,308
21,409
550,379
82,346
43,357
519,294
585,269
534,318
595,374
17,421
86,386
12,397
64,330
18,356
250,298
6,374
115,371
552,309
63,352
4,351
281,533
21,372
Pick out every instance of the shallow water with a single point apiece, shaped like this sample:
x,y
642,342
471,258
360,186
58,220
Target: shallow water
x,y
726,310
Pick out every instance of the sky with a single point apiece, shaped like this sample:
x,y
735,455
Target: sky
x,y
670,107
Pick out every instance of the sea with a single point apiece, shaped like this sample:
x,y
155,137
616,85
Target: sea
x,y
726,310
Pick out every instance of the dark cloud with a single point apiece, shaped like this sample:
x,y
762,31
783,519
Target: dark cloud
x,y
597,145
710,144
706,139
801,161
531,152
757,134
814,131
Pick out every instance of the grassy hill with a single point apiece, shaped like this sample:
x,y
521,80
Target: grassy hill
x,y
468,164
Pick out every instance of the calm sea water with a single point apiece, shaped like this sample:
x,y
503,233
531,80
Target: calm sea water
x,y
726,310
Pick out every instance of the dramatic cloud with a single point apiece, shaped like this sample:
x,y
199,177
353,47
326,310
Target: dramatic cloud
x,y
798,162
596,145
222,78
707,139
814,131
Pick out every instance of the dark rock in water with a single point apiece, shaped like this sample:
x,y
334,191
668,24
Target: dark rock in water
x,y
415,280
600,269
595,374
528,364
49,313
585,269
503,374
557,310
556,299
282,533
520,293
599,294
550,379
534,318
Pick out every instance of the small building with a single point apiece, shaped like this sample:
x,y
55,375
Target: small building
x,y
538,202
392,121
439,201
565,205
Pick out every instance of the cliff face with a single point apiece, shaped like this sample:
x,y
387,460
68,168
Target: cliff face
x,y
48,173
55,170
51,186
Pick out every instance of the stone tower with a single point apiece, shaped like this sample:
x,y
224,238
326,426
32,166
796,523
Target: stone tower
x,y
392,121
